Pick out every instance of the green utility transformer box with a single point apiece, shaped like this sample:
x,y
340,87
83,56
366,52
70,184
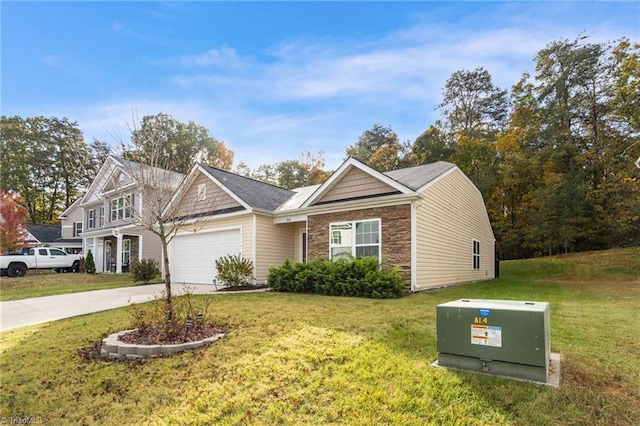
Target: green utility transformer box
x,y
502,337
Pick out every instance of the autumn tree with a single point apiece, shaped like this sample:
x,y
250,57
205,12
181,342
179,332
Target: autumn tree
x,y
305,171
46,162
13,219
186,143
371,140
472,104
432,145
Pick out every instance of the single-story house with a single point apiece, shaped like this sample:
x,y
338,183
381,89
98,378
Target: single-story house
x,y
51,236
429,221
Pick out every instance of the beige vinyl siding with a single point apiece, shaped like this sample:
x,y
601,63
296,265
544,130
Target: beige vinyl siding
x,y
69,223
216,198
450,217
356,183
274,243
151,246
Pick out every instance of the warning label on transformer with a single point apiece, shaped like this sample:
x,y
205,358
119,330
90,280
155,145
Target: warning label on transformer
x,y
486,335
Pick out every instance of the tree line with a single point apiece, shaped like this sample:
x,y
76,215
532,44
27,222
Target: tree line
x,y
553,156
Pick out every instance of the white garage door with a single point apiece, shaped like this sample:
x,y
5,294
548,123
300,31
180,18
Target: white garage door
x,y
193,257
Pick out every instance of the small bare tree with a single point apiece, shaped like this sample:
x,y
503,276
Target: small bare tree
x,y
154,181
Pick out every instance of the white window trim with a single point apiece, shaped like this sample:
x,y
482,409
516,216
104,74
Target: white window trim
x,y
120,212
354,246
91,219
475,255
77,230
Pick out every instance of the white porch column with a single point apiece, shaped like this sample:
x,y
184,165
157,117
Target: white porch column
x,y
119,253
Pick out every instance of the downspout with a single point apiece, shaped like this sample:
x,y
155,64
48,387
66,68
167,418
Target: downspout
x,y
414,244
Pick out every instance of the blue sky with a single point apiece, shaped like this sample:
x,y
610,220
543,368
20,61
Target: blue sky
x,y
273,79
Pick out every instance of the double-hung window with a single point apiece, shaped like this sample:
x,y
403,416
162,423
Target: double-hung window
x,y
121,208
355,239
91,219
77,229
476,254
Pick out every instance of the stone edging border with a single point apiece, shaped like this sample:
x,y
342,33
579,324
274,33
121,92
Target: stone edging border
x,y
112,348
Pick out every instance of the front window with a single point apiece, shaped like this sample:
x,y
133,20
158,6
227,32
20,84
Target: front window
x,y
77,229
121,208
101,223
126,251
364,242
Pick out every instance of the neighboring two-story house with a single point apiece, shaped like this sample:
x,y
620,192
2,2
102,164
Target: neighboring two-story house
x,y
111,211
71,227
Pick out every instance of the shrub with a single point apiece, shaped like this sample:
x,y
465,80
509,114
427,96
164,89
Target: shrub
x,y
89,264
234,271
185,305
144,270
354,277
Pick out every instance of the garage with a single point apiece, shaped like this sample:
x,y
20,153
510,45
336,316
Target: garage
x,y
193,256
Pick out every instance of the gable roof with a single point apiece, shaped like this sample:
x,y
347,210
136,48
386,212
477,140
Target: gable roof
x,y
418,176
73,205
343,170
113,163
251,192
140,169
44,233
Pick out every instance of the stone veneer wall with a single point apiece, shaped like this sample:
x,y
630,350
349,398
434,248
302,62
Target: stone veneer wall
x,y
396,234
135,247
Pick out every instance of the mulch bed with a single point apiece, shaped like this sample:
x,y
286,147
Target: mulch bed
x,y
244,288
156,335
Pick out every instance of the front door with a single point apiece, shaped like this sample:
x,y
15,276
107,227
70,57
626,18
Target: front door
x,y
107,256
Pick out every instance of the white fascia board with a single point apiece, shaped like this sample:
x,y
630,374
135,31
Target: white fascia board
x,y
108,167
342,170
73,205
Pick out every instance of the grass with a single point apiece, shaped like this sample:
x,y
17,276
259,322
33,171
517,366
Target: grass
x,y
49,283
303,359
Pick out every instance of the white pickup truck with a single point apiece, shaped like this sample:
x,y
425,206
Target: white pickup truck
x,y
16,265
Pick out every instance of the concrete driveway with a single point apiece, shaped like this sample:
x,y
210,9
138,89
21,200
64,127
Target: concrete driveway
x,y
21,313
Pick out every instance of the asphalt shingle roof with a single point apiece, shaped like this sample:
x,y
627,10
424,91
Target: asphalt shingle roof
x,y
45,233
416,177
255,193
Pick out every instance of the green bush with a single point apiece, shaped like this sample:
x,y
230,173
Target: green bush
x,y
354,277
234,271
144,270
89,264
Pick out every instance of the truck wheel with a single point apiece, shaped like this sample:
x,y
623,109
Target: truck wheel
x,y
17,270
75,267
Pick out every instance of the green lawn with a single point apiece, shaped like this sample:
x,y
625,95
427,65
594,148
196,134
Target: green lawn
x,y
303,359
48,283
